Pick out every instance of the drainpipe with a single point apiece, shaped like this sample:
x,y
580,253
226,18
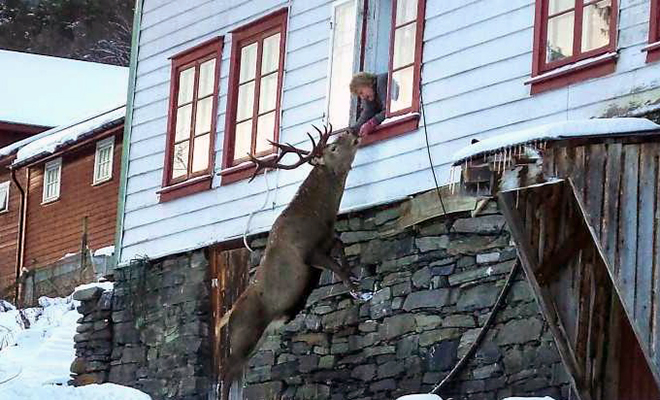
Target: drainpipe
x,y
21,235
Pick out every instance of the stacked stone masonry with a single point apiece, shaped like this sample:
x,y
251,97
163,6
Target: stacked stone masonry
x,y
434,285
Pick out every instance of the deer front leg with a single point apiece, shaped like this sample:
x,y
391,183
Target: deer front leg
x,y
324,261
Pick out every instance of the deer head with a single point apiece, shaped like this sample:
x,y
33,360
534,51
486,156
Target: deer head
x,y
336,156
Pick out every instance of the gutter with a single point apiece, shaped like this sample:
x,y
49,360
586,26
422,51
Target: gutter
x,y
128,123
21,235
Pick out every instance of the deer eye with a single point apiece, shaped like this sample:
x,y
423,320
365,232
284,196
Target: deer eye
x,y
333,149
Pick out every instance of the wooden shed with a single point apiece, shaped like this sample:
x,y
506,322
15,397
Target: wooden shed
x,y
587,234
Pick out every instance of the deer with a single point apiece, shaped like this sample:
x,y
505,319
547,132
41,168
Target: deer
x,y
302,242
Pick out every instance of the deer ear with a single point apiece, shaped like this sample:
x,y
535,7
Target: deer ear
x,y
317,161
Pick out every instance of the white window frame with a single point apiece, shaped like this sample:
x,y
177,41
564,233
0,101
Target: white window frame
x,y
4,186
51,165
100,146
356,55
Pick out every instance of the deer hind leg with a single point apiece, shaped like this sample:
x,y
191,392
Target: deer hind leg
x,y
247,323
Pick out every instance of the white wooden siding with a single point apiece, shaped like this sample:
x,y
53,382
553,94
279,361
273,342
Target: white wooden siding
x,y
477,56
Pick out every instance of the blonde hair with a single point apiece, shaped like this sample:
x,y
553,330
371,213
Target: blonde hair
x,y
361,79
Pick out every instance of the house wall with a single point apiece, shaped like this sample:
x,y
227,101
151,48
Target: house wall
x,y
55,229
434,286
477,56
9,234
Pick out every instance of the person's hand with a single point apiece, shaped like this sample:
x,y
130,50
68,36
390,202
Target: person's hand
x,y
368,127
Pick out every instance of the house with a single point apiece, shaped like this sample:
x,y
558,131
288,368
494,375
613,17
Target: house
x,y
61,210
45,97
211,81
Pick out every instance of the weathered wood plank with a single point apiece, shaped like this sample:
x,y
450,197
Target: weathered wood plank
x,y
609,229
595,180
577,173
530,264
645,239
628,226
656,268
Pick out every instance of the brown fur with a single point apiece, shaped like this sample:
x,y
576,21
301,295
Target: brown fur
x,y
301,242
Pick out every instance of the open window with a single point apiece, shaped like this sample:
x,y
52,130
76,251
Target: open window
x,y
191,122
255,86
4,197
103,160
52,180
653,48
574,40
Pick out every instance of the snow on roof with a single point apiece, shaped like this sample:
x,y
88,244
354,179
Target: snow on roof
x,y
50,91
50,141
559,130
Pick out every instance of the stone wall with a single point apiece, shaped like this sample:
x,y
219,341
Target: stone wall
x,y
434,286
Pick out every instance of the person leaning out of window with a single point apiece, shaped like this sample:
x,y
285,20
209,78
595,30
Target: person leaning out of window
x,y
371,89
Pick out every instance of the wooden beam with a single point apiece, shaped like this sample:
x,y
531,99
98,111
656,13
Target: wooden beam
x,y
543,299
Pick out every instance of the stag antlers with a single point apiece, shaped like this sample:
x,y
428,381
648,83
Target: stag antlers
x,y
304,156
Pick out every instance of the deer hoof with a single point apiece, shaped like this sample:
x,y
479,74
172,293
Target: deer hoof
x,y
361,296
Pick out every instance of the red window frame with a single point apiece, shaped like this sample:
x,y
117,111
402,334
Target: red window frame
x,y
410,122
543,77
192,182
237,168
653,49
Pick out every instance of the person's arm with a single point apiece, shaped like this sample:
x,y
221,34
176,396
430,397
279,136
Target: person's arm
x,y
368,112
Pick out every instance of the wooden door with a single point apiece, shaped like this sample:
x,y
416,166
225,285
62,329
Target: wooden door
x,y
230,269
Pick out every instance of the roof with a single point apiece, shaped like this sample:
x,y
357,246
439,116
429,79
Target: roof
x,y
57,138
51,91
558,131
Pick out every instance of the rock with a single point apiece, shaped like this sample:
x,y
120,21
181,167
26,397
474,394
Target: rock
x,y
477,297
386,215
431,243
519,331
486,258
390,369
430,337
311,392
442,356
475,244
427,299
396,326
422,277
481,273
484,224
269,390
364,373
381,296
88,294
386,384
407,346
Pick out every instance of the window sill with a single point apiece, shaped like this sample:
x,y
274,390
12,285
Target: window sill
x,y
102,181
50,201
392,127
652,52
573,73
191,186
241,171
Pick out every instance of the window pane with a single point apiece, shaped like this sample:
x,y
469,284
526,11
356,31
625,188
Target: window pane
x,y
245,101
248,62
186,82
265,130
243,143
402,79
268,93
201,153
341,65
557,6
404,46
180,159
596,25
271,54
183,120
560,37
3,197
203,119
206,78
406,11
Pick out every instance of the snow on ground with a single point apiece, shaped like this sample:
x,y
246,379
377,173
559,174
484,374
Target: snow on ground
x,y
559,130
35,364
